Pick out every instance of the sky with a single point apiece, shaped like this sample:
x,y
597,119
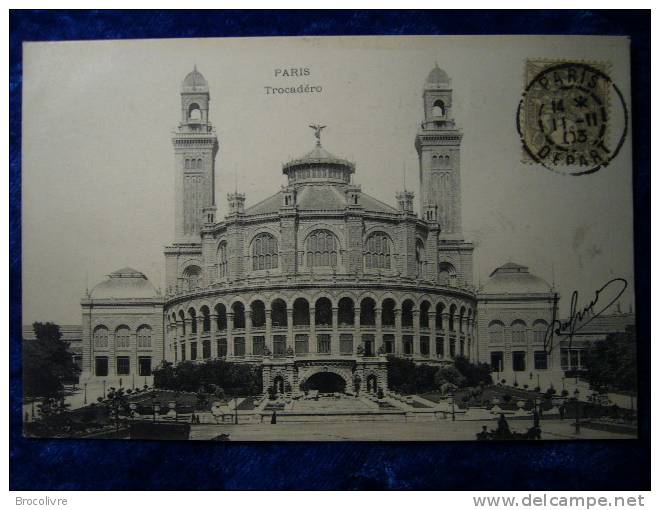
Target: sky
x,y
98,164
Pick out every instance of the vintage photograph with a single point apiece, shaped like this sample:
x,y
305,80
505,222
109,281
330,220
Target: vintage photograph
x,y
328,239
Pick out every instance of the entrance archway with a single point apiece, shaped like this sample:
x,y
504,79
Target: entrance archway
x,y
326,382
278,384
372,383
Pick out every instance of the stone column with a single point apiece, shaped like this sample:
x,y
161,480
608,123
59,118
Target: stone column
x,y
432,335
313,344
248,332
379,330
416,332
269,331
445,334
398,341
334,346
214,335
290,341
356,328
230,336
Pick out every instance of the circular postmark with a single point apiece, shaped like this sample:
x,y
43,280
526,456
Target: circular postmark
x,y
572,118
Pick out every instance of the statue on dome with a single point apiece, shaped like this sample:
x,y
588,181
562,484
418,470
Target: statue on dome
x,y
317,132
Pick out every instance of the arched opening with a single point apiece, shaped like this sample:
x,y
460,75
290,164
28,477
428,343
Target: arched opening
x,y
496,332
388,316
323,312
278,314
192,277
101,337
239,315
206,319
346,312
461,319
446,273
326,382
518,332
372,383
300,312
193,320
182,319
424,314
258,310
407,313
321,249
439,311
222,260
452,316
377,251
540,331
438,109
278,384
194,112
221,316
368,312
264,252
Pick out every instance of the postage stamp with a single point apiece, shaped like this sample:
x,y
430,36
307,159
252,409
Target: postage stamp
x,y
565,119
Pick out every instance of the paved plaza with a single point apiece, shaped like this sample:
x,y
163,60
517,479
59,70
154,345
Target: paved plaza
x,y
440,430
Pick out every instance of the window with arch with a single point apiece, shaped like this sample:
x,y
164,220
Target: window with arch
x,y
264,252
144,336
377,251
540,330
194,112
101,337
496,332
438,109
419,258
446,273
192,277
223,268
322,249
122,337
518,332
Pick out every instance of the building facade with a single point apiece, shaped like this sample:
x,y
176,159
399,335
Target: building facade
x,y
319,282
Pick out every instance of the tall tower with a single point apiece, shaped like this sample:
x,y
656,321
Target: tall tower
x,y
195,148
438,144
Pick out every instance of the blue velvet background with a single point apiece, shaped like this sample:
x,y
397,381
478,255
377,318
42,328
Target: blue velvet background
x,y
75,464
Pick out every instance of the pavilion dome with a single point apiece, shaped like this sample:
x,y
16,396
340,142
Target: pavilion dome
x,y
437,77
195,82
126,283
512,278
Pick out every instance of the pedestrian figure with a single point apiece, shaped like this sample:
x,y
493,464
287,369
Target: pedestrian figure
x,y
273,418
483,435
502,427
537,419
562,411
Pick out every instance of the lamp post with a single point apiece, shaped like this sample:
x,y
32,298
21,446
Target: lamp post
x,y
85,394
103,389
235,411
576,394
453,411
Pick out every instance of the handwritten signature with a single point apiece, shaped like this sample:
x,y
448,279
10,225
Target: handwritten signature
x,y
604,298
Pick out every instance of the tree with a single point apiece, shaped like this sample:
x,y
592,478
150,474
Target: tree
x,y
46,362
474,373
612,363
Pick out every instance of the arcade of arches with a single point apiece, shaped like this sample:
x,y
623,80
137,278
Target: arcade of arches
x,y
289,334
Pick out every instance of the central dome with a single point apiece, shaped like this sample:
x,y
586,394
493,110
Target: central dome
x,y
318,165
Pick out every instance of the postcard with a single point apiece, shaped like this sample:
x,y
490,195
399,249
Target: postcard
x,y
329,239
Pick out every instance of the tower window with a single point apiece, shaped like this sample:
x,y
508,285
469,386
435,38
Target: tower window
x,y
264,252
438,109
419,256
222,260
194,112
